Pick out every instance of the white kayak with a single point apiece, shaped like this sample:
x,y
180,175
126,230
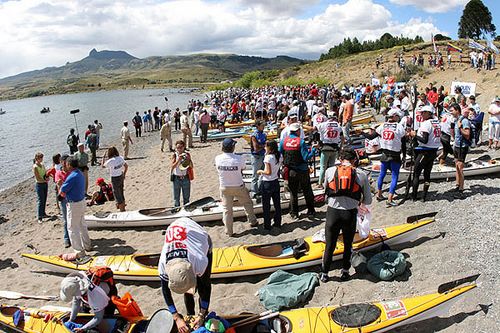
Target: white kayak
x,y
483,165
314,179
204,210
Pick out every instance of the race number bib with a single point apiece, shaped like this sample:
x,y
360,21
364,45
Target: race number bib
x,y
332,134
388,135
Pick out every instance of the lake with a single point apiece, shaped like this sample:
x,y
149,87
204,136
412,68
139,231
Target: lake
x,y
25,131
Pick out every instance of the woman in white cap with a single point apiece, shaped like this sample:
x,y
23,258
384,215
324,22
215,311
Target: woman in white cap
x,y
78,289
185,266
494,124
428,137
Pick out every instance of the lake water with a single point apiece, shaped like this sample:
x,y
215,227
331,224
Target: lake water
x,y
25,131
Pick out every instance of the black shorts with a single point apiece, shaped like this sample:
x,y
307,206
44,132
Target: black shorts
x,y
117,183
460,153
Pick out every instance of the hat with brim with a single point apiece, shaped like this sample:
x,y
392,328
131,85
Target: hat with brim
x,y
185,163
81,144
393,112
427,108
181,277
496,99
73,286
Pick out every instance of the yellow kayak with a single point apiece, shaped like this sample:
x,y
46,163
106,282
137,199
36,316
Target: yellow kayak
x,y
376,316
362,317
242,260
362,118
249,122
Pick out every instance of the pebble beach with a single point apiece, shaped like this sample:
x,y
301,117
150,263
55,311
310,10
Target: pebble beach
x,y
461,242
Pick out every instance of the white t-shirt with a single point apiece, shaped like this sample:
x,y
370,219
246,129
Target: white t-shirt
x,y
372,146
446,120
494,118
275,167
125,133
229,167
185,239
309,104
390,136
167,118
115,166
405,104
96,296
318,118
329,132
432,127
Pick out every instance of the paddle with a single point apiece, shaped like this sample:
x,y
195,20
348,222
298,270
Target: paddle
x,y
409,180
443,288
415,218
255,318
15,295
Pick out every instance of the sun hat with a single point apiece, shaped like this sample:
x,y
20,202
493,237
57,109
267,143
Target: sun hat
x,y
294,127
228,143
496,99
185,162
72,286
181,277
81,144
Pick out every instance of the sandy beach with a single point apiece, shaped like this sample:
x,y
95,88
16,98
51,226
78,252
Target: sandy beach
x,y
462,242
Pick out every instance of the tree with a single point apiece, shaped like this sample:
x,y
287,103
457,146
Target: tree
x,y
439,37
475,21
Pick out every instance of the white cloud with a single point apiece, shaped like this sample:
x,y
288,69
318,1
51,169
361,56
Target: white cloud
x,y
432,6
38,34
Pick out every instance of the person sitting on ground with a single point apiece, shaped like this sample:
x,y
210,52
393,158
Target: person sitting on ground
x,y
185,266
85,292
104,194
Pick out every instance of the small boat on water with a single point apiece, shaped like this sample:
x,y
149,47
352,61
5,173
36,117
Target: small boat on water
x,y
244,260
45,110
2,111
378,316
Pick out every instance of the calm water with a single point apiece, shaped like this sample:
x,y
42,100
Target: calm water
x,y
24,130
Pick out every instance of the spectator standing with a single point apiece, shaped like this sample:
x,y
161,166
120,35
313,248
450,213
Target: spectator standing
x,y
180,174
126,139
83,164
117,171
137,121
41,185
72,141
186,129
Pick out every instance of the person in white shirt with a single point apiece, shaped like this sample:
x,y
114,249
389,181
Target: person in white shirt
x,y
391,134
447,120
494,124
428,136
331,136
270,185
166,132
186,129
310,104
196,121
229,167
180,163
126,139
185,267
78,289
291,119
117,171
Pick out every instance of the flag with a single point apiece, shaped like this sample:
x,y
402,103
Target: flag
x,y
453,48
493,46
434,43
475,45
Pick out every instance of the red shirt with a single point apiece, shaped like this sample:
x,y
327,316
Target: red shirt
x,y
432,97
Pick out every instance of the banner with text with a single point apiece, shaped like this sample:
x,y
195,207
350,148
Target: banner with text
x,y
468,88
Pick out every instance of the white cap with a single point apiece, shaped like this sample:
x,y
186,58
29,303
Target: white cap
x,y
294,127
72,286
427,108
393,112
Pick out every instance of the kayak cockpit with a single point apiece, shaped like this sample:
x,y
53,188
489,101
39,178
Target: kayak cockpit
x,y
162,212
8,311
279,250
148,260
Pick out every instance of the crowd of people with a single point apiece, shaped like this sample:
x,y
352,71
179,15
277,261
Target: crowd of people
x,y
311,122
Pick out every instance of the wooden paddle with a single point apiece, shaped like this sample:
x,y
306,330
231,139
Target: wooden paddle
x,y
15,295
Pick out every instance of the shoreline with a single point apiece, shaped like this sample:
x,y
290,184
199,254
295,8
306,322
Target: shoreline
x,y
461,242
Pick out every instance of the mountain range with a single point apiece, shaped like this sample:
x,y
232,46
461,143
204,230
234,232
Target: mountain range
x,y
118,69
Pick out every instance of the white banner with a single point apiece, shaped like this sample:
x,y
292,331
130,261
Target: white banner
x,y
375,82
468,88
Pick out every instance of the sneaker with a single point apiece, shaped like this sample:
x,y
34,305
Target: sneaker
x,y
40,221
254,224
344,276
67,244
311,214
323,277
391,203
382,198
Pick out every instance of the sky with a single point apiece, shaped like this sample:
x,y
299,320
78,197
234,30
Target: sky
x,y
38,34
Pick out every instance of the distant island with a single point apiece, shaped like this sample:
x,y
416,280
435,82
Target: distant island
x,y
107,70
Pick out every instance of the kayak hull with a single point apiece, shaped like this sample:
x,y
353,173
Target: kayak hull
x,y
165,216
236,261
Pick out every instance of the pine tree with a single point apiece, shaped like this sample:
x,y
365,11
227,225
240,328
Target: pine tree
x,y
475,21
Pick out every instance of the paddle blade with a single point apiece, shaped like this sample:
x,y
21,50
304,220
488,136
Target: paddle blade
x,y
453,284
10,294
415,218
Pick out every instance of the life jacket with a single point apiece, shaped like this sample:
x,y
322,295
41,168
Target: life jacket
x,y
98,274
344,183
127,307
292,155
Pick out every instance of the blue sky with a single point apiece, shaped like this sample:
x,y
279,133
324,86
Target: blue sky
x,y
41,33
